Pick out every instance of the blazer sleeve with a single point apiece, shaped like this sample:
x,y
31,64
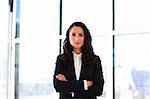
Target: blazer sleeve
x,y
98,82
62,86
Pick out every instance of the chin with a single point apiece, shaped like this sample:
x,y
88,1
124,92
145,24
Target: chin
x,y
77,47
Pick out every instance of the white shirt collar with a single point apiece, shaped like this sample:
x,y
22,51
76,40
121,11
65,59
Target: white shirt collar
x,y
76,55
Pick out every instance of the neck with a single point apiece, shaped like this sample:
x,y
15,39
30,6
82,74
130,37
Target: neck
x,y
77,51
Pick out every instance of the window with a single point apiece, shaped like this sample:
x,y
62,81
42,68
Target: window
x,y
36,36
132,16
38,48
132,72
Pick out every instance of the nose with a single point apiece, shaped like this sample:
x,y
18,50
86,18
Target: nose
x,y
77,38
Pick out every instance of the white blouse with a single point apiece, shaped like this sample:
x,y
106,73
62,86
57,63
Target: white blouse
x,y
77,64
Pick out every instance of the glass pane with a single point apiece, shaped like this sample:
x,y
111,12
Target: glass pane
x,y
17,18
39,46
96,14
16,70
132,15
3,70
102,47
132,67
4,11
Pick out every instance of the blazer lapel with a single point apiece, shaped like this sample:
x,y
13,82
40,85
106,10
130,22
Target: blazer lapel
x,y
81,72
72,70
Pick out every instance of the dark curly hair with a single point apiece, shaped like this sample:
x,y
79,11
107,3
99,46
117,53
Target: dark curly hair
x,y
87,49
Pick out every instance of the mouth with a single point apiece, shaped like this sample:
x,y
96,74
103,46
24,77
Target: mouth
x,y
77,43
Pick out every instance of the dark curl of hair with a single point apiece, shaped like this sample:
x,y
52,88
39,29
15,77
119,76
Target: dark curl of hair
x,y
87,49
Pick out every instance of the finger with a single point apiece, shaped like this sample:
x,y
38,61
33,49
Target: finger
x,y
57,76
61,75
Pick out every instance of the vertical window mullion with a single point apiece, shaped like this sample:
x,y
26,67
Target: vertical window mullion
x,y
60,28
113,46
113,15
113,70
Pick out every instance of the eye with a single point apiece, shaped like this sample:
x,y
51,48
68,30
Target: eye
x,y
73,34
81,34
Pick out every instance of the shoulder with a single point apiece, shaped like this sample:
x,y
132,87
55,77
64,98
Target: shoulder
x,y
97,63
63,57
60,57
97,59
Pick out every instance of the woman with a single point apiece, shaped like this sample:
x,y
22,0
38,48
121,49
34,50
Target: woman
x,y
78,73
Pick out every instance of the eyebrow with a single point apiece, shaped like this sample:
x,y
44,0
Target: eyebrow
x,y
79,33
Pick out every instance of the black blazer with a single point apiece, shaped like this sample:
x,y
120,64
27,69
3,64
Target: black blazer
x,y
91,71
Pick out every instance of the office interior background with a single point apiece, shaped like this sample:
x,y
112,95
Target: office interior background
x,y
32,34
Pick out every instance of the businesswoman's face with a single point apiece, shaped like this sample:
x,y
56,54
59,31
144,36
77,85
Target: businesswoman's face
x,y
76,37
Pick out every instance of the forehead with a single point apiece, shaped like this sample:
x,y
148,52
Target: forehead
x,y
76,29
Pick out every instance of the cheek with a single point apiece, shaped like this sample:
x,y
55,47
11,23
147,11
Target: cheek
x,y
83,41
70,40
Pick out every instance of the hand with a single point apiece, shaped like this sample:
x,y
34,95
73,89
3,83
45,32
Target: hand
x,y
61,77
89,83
